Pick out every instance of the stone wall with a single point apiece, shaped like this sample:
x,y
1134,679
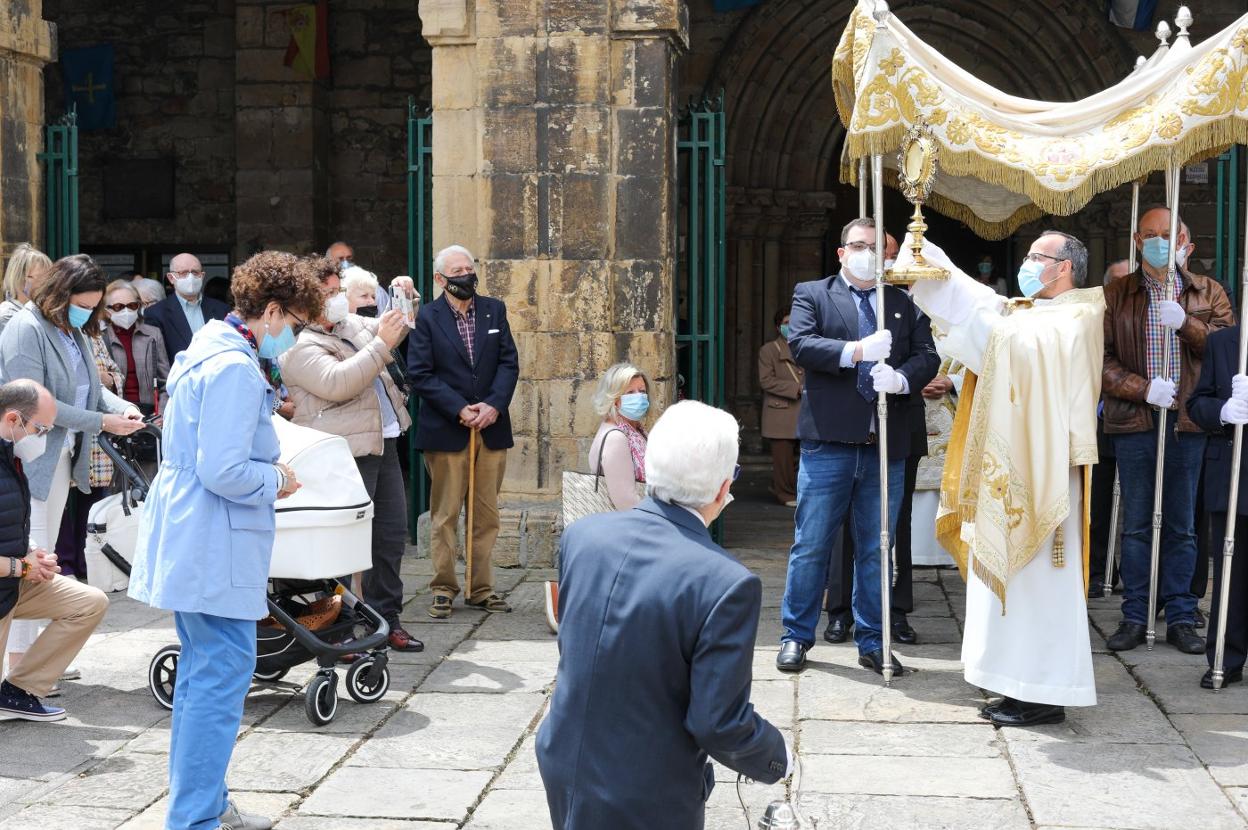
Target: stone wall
x,y
26,44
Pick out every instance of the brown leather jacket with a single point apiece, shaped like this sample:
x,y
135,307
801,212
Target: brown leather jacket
x,y
1124,382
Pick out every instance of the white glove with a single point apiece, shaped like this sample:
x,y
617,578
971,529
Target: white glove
x,y
1160,393
877,345
1235,411
1172,314
887,380
1239,387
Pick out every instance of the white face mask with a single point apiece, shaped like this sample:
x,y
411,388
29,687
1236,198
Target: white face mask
x,y
336,308
1180,257
889,263
124,319
861,265
29,447
188,286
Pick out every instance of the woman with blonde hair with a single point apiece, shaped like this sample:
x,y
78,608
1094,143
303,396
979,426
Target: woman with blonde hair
x,y
25,263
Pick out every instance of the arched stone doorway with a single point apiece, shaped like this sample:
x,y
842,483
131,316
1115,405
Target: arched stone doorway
x,y
785,202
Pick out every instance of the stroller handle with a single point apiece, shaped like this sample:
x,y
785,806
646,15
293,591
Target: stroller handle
x,y
137,482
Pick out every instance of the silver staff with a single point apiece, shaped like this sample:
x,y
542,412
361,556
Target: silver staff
x,y
881,429
1232,504
1150,635
1111,548
862,189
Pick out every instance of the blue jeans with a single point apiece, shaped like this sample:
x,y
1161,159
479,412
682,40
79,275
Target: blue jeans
x,y
214,673
1136,454
835,481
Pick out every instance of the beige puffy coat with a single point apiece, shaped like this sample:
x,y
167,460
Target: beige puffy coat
x,y
331,383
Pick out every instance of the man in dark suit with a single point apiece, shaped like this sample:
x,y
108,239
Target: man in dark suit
x,y
833,335
656,640
185,311
463,364
1217,403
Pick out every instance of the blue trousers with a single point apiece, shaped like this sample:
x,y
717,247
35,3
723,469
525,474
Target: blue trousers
x,y
835,481
1136,454
214,673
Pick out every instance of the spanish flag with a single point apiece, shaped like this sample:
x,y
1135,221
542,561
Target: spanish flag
x,y
308,50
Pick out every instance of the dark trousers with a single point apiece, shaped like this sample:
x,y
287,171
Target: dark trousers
x,y
383,478
1208,543
784,456
839,601
1102,519
1237,617
71,542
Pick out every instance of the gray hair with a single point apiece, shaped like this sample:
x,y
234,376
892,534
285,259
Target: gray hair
x,y
612,385
1072,249
1109,269
150,291
355,275
20,396
690,453
439,261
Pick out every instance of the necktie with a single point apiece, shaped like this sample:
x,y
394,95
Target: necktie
x,y
866,326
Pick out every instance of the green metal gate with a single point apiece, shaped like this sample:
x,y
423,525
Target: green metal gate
x,y
420,267
60,182
1226,234
701,282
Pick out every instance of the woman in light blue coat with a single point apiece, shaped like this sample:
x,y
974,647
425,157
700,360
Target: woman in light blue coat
x,y
208,526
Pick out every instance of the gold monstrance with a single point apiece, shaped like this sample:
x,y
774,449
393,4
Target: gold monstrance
x,y
916,173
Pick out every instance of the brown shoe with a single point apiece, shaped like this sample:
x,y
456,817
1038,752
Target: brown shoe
x,y
441,607
400,640
492,603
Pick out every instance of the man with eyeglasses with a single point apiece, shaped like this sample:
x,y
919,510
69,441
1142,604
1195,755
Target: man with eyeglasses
x,y
849,363
31,587
185,311
1017,473
1142,311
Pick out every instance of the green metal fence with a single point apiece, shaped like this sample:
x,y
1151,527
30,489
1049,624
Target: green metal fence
x,y
420,267
60,167
1227,231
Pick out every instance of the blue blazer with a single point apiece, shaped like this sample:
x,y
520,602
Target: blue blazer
x,y
446,381
168,316
656,642
823,320
1204,406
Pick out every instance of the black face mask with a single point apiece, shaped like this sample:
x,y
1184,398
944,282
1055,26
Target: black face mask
x,y
367,311
463,287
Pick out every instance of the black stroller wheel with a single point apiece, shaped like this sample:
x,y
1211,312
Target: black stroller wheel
x,y
364,683
162,675
270,677
320,700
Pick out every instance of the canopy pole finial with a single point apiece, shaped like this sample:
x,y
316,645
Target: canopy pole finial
x,y
880,12
1140,61
1183,20
1163,32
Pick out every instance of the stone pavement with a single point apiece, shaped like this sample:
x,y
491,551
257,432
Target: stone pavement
x,y
451,745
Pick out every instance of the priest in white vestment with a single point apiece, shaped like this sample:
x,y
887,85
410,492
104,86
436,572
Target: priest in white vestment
x,y
1013,494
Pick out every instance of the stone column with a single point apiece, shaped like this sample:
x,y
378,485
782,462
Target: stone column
x,y
281,188
26,45
554,162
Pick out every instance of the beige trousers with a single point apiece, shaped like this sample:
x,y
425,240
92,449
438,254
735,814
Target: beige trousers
x,y
448,492
45,526
74,609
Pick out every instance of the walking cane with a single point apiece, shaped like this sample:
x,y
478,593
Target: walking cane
x,y
1150,635
881,430
472,497
1107,582
1232,504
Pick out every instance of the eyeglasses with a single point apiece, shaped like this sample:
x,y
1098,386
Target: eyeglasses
x,y
299,326
122,306
181,274
1033,257
40,429
860,246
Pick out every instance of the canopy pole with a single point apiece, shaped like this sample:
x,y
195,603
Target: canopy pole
x,y
1150,635
881,431
1232,504
862,188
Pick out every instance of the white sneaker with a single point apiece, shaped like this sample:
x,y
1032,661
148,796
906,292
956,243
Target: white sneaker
x,y
55,691
233,819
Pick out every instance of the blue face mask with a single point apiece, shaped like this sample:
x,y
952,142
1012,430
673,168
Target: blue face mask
x,y
78,316
784,330
272,346
1029,281
634,405
1157,251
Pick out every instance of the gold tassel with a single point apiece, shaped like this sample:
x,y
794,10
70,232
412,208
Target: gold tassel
x,y
1059,548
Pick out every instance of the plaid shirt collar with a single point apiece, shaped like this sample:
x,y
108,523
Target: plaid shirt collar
x,y
1154,351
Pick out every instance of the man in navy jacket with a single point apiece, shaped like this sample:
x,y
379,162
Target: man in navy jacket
x,y
463,364
185,311
656,641
832,333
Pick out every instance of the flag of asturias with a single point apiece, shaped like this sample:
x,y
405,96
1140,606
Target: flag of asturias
x,y
88,77
1132,14
308,50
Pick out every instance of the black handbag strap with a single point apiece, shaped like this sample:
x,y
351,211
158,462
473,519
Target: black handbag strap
x,y
601,450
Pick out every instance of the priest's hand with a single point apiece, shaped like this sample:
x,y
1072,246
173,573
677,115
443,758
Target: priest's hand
x,y
1160,393
875,346
1172,314
887,380
1235,411
1239,387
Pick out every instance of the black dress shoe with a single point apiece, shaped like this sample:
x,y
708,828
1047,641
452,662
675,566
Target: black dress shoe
x,y
874,660
1020,713
792,656
838,630
1233,676
902,632
987,711
1200,620
1128,636
1184,637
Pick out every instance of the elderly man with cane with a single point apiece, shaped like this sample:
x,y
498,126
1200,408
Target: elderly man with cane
x,y
463,365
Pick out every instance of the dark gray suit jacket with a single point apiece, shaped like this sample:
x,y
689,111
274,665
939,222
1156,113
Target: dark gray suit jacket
x,y
656,641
